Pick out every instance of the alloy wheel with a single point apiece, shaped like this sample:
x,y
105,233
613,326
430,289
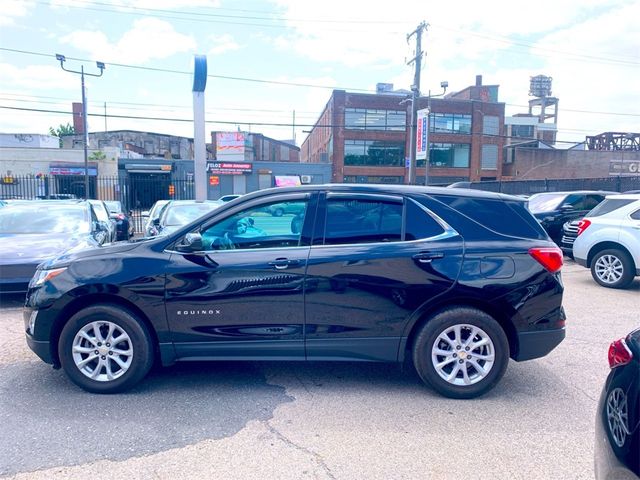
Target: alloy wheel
x,y
609,269
102,351
463,354
618,416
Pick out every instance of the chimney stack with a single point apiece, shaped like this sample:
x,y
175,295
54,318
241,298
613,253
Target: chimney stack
x,y
478,80
78,125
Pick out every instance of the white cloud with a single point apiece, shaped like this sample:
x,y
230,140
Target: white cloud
x,y
36,77
14,9
148,39
222,44
141,4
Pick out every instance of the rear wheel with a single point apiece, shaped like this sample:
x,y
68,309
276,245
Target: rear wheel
x,y
461,352
612,268
105,349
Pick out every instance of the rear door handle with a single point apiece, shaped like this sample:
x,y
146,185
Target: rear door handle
x,y
283,263
427,257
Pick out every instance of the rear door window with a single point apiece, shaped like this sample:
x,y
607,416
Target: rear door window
x,y
351,221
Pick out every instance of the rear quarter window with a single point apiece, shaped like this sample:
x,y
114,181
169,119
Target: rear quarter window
x,y
505,217
609,205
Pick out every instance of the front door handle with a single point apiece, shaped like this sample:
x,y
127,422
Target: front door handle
x,y
284,263
427,257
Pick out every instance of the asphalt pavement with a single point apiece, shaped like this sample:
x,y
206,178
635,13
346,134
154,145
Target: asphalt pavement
x,y
268,420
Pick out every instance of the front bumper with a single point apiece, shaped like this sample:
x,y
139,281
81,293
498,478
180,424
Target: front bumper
x,y
34,320
581,261
42,348
538,344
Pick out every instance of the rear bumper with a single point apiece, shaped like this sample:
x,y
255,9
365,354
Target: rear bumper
x,y
538,344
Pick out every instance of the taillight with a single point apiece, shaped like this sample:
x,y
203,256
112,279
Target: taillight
x,y
619,353
583,225
549,257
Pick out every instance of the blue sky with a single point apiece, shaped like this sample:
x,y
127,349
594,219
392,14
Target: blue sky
x,y
590,48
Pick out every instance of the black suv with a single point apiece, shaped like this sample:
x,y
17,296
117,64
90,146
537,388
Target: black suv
x,y
455,280
554,209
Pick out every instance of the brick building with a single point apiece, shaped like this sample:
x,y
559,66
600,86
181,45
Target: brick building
x,y
365,136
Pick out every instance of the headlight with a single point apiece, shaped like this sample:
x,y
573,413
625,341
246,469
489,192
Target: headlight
x,y
42,276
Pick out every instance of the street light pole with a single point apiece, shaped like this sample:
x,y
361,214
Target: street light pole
x,y
101,66
444,86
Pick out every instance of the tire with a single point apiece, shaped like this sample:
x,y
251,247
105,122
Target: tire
x,y
612,268
430,350
88,332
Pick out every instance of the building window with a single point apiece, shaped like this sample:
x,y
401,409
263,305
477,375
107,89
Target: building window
x,y
522,131
448,155
489,160
103,143
389,179
491,125
149,147
450,123
368,119
373,153
284,153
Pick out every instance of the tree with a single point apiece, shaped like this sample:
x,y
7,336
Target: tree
x,y
61,131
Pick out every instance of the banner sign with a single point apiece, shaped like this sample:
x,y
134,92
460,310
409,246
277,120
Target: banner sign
x,y
421,136
229,168
230,142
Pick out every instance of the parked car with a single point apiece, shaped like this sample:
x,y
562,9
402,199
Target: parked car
x,y
124,226
608,241
151,216
457,280
33,231
617,442
553,209
569,235
177,213
102,212
280,209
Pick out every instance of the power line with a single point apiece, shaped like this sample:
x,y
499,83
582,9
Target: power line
x,y
184,72
228,122
195,16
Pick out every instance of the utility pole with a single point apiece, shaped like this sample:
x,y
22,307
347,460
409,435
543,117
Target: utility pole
x,y
415,94
105,116
101,66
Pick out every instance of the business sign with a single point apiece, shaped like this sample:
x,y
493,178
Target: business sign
x,y
229,168
230,142
624,167
421,135
287,181
92,171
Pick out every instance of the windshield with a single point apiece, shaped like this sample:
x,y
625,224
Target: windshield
x,y
114,206
42,219
545,202
177,215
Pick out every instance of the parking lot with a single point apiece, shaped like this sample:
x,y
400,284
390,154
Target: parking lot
x,y
316,420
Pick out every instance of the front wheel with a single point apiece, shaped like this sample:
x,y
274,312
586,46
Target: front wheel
x,y
612,268
461,352
105,349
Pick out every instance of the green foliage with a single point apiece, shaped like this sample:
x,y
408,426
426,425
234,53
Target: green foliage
x,y
62,130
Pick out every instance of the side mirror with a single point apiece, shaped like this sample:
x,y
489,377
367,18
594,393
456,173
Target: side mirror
x,y
192,242
566,207
156,222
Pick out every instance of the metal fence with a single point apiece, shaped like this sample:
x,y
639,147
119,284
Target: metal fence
x,y
135,193
529,187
